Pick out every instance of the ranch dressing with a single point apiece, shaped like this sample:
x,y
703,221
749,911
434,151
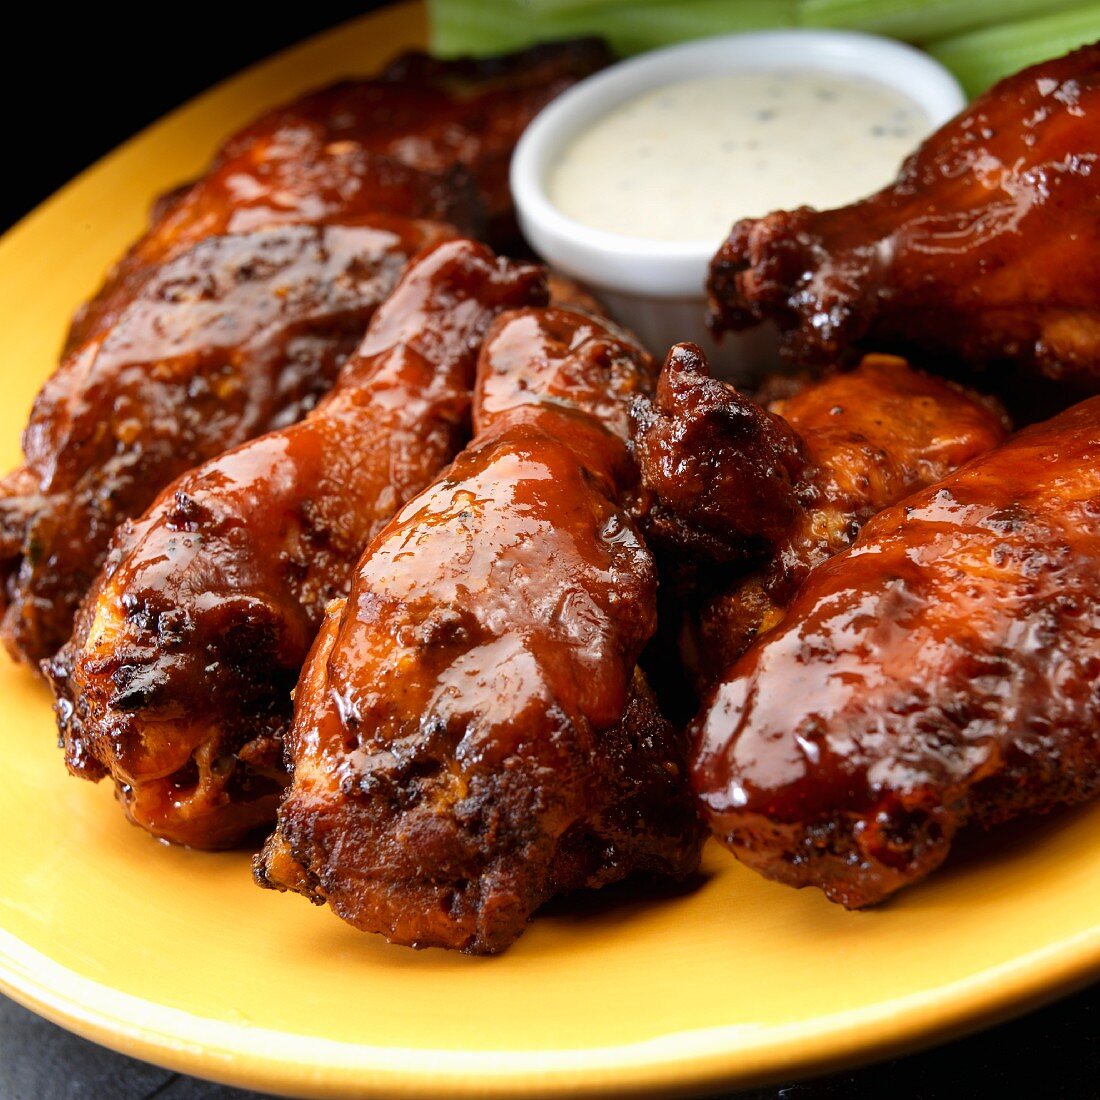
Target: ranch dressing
x,y
683,162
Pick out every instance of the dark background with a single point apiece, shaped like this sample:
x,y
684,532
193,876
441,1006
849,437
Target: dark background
x,y
77,82
88,81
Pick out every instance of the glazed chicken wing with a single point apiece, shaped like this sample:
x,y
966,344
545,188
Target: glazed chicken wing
x,y
471,733
982,252
762,496
234,311
422,139
237,336
940,673
429,114
177,681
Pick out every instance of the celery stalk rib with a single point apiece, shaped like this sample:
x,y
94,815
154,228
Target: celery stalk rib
x,y
981,58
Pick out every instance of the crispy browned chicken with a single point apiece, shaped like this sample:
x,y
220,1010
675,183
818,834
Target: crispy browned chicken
x,y
426,113
760,497
177,681
982,252
422,139
235,310
237,336
471,732
941,673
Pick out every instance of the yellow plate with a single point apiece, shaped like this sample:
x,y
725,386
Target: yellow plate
x,y
174,956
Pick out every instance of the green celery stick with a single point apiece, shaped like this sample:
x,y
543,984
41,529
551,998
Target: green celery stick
x,y
922,20
981,58
481,27
631,28
541,8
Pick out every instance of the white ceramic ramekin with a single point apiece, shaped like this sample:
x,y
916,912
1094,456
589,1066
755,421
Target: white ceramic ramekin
x,y
656,287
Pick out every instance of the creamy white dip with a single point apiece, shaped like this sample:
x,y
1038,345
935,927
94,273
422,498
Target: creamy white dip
x,y
683,162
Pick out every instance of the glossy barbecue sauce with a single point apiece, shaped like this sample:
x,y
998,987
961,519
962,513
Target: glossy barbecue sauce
x,y
942,672
471,735
682,162
980,252
177,683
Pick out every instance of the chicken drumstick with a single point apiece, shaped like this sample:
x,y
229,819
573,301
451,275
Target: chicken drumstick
x,y
177,681
471,732
941,673
982,252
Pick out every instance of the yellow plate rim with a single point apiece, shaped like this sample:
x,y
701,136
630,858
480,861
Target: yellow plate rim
x,y
679,1062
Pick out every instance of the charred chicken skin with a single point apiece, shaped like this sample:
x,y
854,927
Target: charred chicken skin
x,y
240,335
422,139
941,673
766,495
471,732
982,252
177,681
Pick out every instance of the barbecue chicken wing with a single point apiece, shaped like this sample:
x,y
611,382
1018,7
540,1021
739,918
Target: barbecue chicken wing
x,y
471,732
762,496
237,336
982,252
252,285
940,673
177,681
422,139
